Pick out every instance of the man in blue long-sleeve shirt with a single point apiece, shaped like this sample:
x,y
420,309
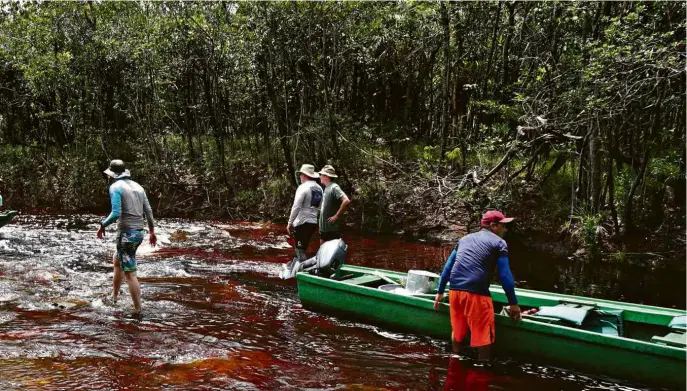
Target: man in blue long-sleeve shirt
x,y
131,207
469,269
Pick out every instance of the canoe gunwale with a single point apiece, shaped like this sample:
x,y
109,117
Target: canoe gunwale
x,y
554,298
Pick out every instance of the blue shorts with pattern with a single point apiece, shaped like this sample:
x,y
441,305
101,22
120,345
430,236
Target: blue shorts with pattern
x,y
127,244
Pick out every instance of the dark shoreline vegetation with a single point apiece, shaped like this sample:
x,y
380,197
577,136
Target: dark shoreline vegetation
x,y
570,116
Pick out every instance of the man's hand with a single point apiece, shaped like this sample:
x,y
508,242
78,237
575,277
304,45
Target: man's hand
x,y
437,301
101,232
332,219
153,238
289,229
515,313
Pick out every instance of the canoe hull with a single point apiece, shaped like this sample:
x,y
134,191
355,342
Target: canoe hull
x,y
6,218
575,349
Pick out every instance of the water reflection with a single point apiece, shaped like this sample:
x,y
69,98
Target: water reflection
x,y
466,376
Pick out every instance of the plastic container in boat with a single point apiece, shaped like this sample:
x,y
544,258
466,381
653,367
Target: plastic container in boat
x,y
421,281
394,288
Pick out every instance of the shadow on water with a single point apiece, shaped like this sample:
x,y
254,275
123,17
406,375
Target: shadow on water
x,y
217,317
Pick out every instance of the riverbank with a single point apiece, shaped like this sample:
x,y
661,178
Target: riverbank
x,y
414,211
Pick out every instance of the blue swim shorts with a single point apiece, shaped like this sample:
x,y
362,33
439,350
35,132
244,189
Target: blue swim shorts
x,y
127,244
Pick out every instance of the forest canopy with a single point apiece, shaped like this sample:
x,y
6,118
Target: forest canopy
x,y
570,112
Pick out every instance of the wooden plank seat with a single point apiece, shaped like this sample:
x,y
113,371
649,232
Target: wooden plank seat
x,y
366,279
673,339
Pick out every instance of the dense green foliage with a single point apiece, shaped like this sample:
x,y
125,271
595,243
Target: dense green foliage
x,y
570,112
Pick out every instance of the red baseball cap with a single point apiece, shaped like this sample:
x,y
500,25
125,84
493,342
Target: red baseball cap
x,y
494,216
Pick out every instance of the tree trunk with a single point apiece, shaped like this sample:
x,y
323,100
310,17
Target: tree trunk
x,y
208,89
280,116
594,171
557,165
629,224
611,197
446,103
581,189
505,81
494,37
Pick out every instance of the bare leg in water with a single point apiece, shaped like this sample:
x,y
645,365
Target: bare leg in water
x,y
117,280
455,345
131,281
134,289
483,352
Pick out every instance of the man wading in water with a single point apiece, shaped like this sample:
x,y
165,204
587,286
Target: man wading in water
x,y
303,218
469,269
334,202
130,205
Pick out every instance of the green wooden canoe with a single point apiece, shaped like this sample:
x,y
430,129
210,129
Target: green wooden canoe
x,y
6,217
649,351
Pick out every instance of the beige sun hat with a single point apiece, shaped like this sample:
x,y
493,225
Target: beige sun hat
x,y
309,170
117,170
328,171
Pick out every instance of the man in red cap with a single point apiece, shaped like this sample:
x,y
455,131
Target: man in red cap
x,y
469,270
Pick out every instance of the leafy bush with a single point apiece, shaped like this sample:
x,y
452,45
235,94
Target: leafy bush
x,y
588,230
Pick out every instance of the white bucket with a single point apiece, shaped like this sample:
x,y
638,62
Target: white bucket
x,y
421,281
394,288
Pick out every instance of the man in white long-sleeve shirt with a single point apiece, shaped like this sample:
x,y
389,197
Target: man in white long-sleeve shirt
x,y
131,207
303,218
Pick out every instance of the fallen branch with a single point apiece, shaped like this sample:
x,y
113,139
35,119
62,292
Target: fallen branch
x,y
524,166
498,167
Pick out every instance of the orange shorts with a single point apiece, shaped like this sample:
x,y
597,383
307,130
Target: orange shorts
x,y
473,312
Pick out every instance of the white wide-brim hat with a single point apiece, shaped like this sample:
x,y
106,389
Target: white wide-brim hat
x,y
309,170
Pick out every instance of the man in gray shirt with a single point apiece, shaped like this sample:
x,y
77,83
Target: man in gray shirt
x,y
131,207
303,217
334,202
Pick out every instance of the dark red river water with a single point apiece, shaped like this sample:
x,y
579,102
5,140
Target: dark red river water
x,y
217,317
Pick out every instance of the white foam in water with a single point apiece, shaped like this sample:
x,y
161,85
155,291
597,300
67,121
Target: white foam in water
x,y
162,269
6,317
282,245
166,305
145,248
8,296
394,336
163,239
243,227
